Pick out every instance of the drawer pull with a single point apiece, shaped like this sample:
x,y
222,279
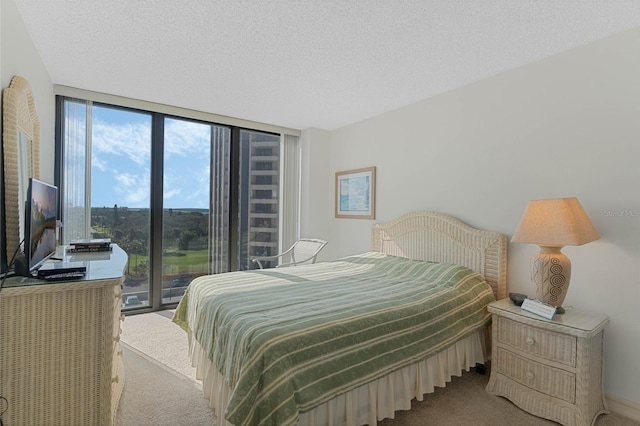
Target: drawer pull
x,y
530,341
116,339
115,379
530,375
119,353
122,317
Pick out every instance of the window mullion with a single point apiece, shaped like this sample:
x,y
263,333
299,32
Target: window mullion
x,y
156,199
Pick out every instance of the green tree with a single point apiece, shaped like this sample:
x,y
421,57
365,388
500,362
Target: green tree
x,y
185,238
116,215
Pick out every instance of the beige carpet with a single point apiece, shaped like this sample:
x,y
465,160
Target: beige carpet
x,y
157,336
160,388
465,402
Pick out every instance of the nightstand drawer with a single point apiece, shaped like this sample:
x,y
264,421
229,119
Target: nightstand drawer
x,y
548,380
543,343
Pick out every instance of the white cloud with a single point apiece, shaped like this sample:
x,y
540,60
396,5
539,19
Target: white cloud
x,y
186,137
99,163
170,194
132,141
133,188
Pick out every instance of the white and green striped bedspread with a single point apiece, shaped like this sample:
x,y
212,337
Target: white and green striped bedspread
x,y
287,340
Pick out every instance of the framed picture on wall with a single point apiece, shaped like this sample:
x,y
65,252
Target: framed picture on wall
x,y
356,194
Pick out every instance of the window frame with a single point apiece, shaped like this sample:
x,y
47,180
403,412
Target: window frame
x,y
157,181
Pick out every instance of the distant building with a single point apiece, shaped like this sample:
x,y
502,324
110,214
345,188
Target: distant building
x,y
259,212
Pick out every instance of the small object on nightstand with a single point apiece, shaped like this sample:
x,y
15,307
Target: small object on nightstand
x,y
539,308
517,298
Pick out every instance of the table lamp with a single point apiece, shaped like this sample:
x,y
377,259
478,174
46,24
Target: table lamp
x,y
553,224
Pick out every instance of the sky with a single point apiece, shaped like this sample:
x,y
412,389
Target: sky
x,y
121,161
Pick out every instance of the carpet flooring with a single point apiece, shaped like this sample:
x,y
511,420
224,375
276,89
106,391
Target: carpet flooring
x,y
160,386
161,389
155,395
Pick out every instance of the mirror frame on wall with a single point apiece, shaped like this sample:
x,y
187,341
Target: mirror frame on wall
x,y
21,149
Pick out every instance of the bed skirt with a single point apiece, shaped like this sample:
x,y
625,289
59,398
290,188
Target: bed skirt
x,y
370,402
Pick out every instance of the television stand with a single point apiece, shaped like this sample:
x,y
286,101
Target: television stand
x,y
60,355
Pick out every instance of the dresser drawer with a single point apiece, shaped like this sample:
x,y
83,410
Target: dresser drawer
x,y
543,343
548,380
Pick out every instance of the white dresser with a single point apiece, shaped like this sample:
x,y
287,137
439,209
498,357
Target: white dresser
x,y
60,355
549,368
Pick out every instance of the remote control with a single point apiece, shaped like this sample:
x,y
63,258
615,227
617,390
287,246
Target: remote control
x,y
64,276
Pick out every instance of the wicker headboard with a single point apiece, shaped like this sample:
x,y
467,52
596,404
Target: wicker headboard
x,y
438,237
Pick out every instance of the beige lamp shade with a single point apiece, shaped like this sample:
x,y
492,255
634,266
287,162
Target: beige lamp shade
x,y
553,224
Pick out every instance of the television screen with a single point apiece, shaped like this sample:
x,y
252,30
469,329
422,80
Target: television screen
x,y
41,216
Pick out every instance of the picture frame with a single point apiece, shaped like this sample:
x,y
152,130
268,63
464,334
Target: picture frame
x,y
355,194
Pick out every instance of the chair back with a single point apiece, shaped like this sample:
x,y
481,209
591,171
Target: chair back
x,y
307,248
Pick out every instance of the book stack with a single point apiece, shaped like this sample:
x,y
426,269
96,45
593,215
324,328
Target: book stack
x,y
90,245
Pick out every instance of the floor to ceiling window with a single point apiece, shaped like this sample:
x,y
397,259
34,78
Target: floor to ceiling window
x,y
182,197
186,201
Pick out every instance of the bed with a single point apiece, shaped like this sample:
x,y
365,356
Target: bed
x,y
349,341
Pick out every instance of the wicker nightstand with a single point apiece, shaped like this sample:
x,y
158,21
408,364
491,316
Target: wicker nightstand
x,y
549,368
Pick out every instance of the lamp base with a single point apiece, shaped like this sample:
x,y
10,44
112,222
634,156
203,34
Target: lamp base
x,y
550,273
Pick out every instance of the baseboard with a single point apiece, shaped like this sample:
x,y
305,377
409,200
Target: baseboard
x,y
623,407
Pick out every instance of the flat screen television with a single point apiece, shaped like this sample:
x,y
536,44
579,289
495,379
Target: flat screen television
x,y
40,224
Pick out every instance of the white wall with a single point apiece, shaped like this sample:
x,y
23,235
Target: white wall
x,y
18,56
568,125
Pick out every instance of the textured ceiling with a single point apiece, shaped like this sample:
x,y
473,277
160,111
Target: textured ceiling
x,y
305,63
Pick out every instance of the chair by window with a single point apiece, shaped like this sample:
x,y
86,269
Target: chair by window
x,y
305,250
